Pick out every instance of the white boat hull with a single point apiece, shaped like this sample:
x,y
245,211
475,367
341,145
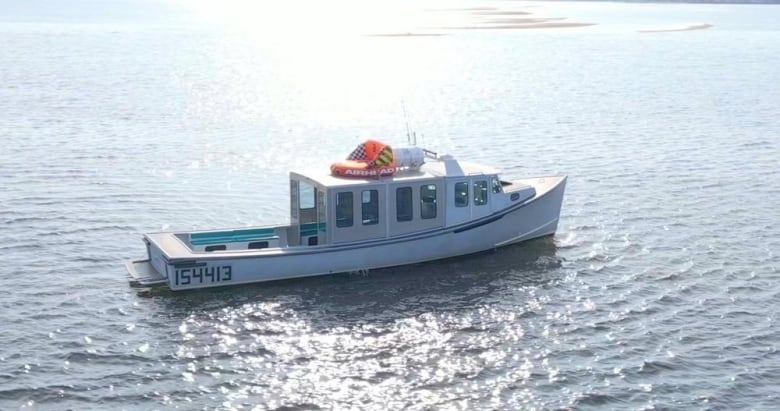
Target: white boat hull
x,y
526,220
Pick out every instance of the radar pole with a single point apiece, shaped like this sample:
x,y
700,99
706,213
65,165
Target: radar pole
x,y
411,137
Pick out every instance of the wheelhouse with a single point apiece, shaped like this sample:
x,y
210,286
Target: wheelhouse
x,y
331,210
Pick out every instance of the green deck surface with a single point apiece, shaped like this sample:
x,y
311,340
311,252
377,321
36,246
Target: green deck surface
x,y
233,236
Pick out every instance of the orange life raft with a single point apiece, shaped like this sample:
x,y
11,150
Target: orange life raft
x,y
370,159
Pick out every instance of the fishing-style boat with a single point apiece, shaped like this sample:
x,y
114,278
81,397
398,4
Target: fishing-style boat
x,y
381,207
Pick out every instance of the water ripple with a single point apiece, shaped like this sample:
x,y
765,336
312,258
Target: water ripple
x,y
659,290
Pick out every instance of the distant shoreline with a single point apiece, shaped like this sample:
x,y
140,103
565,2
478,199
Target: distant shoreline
x,y
749,2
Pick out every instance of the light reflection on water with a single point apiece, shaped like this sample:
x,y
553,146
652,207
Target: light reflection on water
x,y
392,331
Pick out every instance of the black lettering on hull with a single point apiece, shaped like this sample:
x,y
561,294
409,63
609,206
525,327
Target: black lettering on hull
x,y
203,275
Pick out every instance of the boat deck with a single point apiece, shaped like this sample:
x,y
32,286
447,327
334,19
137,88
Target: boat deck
x,y
541,184
173,246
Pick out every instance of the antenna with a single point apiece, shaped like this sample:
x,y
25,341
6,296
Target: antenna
x,y
411,137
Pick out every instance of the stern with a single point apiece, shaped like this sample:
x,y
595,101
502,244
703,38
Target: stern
x,y
143,273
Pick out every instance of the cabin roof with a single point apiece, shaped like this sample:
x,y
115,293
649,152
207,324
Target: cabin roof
x,y
444,167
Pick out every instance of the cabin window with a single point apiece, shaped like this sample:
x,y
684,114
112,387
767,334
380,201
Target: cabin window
x,y
370,209
496,185
344,209
221,247
480,193
403,204
257,245
462,194
306,196
428,201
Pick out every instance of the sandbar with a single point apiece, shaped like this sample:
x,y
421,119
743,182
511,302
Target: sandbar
x,y
502,13
547,25
406,34
685,28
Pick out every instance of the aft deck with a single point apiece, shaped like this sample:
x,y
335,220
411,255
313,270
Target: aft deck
x,y
173,247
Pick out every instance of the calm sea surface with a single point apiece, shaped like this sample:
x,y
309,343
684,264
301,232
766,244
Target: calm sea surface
x,y
660,290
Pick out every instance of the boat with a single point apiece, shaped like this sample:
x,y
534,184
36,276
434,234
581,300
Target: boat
x,y
421,206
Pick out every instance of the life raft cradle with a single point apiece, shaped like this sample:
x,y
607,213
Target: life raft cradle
x,y
376,159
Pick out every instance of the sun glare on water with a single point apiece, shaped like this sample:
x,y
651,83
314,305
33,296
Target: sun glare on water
x,y
305,19
337,62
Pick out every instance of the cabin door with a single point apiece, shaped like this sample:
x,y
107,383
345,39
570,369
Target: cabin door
x,y
458,201
306,212
480,197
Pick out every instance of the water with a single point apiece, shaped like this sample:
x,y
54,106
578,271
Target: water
x,y
660,289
